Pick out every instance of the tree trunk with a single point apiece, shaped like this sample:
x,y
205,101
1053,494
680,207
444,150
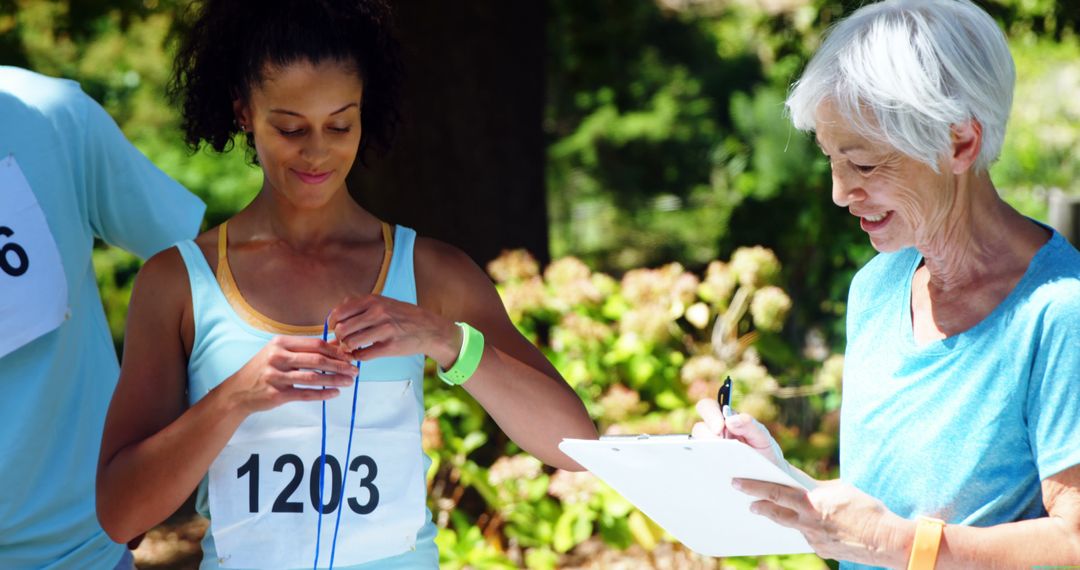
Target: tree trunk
x,y
467,166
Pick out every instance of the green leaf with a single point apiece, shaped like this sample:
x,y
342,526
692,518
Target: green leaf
x,y
563,538
614,504
473,441
573,527
669,400
642,369
541,559
615,532
583,525
644,531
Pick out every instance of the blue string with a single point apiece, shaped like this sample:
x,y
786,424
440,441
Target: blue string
x,y
322,463
322,470
344,468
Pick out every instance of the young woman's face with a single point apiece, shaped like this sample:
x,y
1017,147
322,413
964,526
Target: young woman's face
x,y
305,118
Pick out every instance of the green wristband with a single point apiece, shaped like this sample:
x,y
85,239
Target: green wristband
x,y
468,359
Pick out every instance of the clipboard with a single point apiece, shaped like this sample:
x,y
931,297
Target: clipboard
x,y
684,485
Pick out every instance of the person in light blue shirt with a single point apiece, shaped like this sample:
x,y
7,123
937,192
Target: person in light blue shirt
x,y
67,176
959,442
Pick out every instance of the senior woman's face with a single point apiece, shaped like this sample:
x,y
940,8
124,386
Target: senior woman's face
x,y
897,199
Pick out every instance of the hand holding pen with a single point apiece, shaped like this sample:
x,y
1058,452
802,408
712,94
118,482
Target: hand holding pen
x,y
723,398
719,421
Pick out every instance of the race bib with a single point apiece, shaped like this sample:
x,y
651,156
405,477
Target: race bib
x,y
264,486
33,287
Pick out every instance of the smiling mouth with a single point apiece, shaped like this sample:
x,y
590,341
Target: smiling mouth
x,y
872,222
312,178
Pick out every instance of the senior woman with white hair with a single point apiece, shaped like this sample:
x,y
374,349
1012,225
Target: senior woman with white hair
x,y
960,424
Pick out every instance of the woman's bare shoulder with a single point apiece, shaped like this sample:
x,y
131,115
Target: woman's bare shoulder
x,y
439,261
162,280
447,277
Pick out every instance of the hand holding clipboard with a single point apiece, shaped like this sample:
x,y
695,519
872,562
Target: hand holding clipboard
x,y
683,482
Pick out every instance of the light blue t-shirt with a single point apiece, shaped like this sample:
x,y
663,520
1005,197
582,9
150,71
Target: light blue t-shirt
x,y
89,182
963,429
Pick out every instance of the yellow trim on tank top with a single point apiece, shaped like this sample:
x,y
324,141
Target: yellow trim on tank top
x,y
258,320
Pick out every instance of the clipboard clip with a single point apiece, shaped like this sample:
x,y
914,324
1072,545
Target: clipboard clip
x,y
632,437
641,436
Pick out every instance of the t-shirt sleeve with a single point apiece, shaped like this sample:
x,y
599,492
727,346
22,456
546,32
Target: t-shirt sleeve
x,y
131,203
1054,393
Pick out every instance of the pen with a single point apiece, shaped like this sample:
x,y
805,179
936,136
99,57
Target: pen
x,y
723,397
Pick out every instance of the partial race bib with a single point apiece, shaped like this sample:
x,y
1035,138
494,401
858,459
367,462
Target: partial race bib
x,y
264,486
33,286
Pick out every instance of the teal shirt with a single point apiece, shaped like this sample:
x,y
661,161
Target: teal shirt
x,y
90,183
966,428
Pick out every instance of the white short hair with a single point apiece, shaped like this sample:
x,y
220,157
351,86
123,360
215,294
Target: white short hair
x,y
904,71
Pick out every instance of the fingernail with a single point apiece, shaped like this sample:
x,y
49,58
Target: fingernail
x,y
737,484
754,508
727,411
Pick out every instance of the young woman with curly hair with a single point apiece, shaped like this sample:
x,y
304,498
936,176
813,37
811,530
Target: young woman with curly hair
x,y
227,381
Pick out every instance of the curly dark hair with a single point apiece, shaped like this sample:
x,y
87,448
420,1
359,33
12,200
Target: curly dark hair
x,y
226,45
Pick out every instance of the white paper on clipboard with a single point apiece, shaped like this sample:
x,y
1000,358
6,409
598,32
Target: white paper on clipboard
x,y
684,485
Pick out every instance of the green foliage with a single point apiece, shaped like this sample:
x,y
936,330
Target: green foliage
x,y
668,138
639,351
636,103
465,547
668,141
682,150
115,270
1042,142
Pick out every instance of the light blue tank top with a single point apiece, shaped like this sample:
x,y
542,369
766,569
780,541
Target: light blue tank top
x,y
224,342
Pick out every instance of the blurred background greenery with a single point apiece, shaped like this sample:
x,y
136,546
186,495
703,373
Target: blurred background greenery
x,y
666,147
